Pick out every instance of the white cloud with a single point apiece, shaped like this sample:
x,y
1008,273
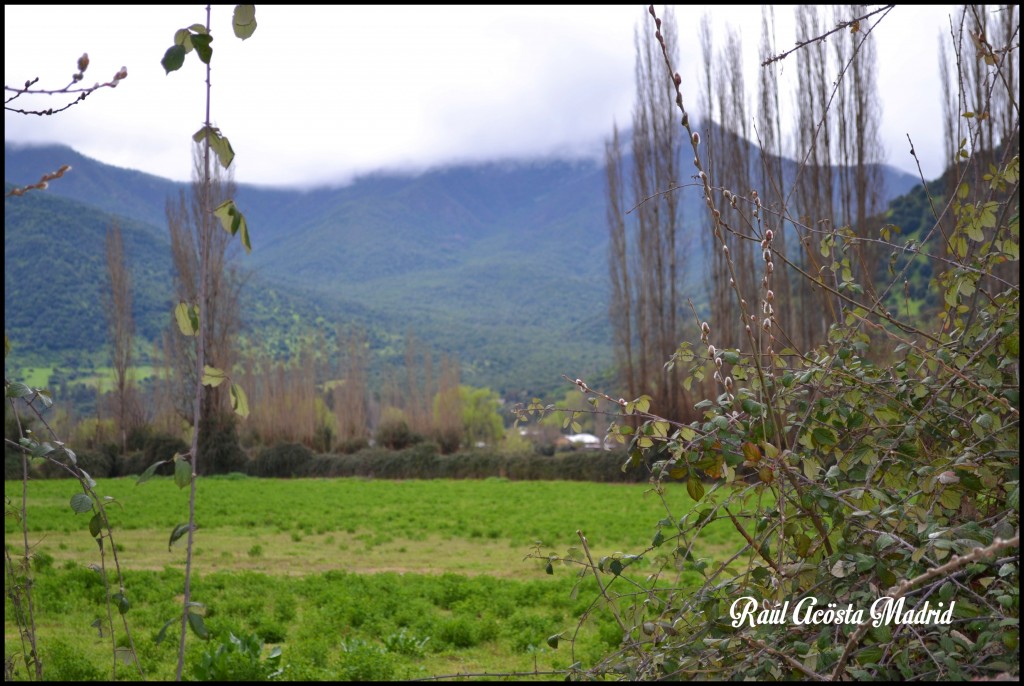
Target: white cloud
x,y
319,94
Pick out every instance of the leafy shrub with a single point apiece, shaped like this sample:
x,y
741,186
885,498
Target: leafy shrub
x,y
66,663
352,445
238,659
97,464
137,437
459,632
162,447
219,449
363,661
449,439
403,643
136,463
41,561
281,461
394,433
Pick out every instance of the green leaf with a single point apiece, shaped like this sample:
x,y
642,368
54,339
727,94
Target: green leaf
x,y
731,356
239,401
173,58
178,532
823,437
95,525
212,376
217,142
974,231
162,634
553,641
198,626
182,471
752,407
183,37
187,317
201,42
17,389
244,21
81,503
659,538
148,474
234,222
695,488
122,603
225,153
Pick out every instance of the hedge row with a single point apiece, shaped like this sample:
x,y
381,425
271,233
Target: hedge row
x,y
421,461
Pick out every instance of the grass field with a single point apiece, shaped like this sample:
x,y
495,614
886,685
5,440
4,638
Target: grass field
x,y
347,576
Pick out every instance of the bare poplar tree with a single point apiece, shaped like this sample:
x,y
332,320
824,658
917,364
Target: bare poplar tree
x,y
122,331
729,164
857,119
351,397
448,407
645,253
184,219
772,181
814,191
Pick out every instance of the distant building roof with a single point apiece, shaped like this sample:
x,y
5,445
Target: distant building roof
x,y
585,439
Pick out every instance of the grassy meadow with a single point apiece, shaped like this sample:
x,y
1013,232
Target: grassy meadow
x,y
351,578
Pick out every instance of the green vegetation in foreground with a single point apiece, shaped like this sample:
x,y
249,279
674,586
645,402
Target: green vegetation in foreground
x,y
292,518
347,576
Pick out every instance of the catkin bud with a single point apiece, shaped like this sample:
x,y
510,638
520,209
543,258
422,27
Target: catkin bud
x,y
769,235
696,138
711,351
728,383
771,267
770,296
705,328
678,79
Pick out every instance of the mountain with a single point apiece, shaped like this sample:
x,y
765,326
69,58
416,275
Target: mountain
x,y
503,265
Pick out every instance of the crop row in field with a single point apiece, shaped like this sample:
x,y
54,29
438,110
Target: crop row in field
x,y
353,579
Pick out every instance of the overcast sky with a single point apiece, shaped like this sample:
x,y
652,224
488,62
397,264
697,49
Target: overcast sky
x,y
320,94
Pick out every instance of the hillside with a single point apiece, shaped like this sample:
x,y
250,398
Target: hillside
x,y
503,265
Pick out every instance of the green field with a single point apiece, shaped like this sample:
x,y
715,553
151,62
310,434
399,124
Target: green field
x,y
347,576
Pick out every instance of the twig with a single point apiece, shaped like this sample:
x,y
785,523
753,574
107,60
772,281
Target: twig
x,y
901,589
839,27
